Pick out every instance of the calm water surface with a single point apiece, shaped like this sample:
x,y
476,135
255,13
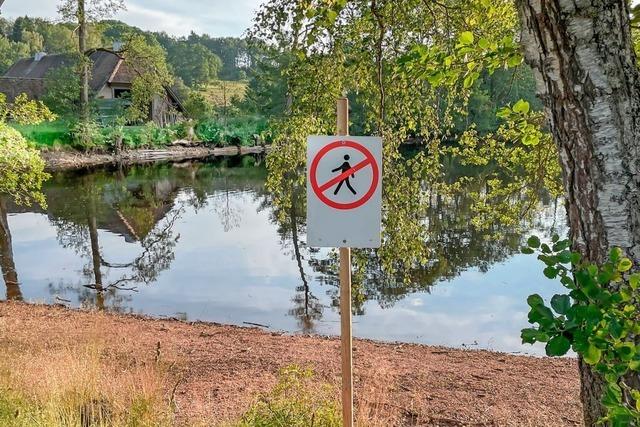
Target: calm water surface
x,y
201,241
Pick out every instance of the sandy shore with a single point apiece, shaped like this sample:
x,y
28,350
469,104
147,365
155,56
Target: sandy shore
x,y
222,368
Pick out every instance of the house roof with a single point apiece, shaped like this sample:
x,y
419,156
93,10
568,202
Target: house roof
x,y
28,75
104,63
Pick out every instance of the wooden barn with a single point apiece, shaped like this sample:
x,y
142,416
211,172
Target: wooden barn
x,y
111,79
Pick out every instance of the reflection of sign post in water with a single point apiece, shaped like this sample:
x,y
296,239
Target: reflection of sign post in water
x,y
344,201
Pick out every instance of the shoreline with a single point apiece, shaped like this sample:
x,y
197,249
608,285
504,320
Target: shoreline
x,y
57,161
434,385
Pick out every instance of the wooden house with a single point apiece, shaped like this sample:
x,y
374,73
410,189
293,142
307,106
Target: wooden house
x,y
111,79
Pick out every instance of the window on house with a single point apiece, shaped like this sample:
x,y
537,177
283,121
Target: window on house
x,y
121,93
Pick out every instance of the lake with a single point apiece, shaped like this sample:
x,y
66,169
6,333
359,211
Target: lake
x,y
202,241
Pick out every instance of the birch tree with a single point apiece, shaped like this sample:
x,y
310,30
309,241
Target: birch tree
x,y
587,75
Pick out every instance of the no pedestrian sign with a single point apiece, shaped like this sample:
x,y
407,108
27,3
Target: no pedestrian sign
x,y
344,191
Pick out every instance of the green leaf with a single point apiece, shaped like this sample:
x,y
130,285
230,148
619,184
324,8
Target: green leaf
x,y
468,81
615,254
526,250
626,350
529,335
625,264
592,355
466,38
561,303
535,300
561,245
550,272
558,346
634,280
533,242
521,107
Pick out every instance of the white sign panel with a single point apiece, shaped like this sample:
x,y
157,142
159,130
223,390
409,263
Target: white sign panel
x,y
344,191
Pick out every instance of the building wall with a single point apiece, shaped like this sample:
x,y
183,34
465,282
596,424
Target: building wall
x,y
105,93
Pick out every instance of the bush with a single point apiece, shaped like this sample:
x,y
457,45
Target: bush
x,y
598,319
244,131
148,136
296,401
87,135
210,132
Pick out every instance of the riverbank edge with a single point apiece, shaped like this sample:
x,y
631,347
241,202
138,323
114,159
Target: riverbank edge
x,y
264,329
224,368
64,160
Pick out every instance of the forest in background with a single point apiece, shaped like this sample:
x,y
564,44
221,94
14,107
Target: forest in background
x,y
231,87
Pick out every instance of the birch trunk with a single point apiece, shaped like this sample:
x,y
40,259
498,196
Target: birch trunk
x,y
586,73
84,61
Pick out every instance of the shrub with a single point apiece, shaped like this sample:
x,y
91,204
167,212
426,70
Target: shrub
x,y
210,132
296,401
86,135
598,323
21,168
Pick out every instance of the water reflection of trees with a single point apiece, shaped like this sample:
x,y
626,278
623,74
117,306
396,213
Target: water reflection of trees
x,y
428,237
135,204
141,204
7,263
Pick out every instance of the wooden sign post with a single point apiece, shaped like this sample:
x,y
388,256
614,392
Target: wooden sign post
x,y
345,297
344,210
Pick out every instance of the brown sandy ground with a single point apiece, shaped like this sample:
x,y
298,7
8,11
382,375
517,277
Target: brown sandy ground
x,y
221,369
66,159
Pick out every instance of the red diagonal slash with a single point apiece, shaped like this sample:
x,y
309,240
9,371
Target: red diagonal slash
x,y
333,181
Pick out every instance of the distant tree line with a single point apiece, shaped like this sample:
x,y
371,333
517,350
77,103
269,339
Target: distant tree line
x,y
196,59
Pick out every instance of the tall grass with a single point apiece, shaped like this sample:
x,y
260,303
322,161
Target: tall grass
x,y
69,387
300,399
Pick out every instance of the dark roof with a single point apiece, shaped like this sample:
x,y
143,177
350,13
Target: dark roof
x,y
27,75
29,68
12,87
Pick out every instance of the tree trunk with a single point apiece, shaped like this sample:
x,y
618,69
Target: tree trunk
x,y
84,61
585,68
7,265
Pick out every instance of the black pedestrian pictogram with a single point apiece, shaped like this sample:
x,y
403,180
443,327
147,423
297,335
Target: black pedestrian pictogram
x,y
342,169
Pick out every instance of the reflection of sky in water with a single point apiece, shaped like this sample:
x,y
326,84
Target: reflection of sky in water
x,y
247,274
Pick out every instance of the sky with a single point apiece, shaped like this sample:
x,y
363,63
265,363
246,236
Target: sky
x,y
177,17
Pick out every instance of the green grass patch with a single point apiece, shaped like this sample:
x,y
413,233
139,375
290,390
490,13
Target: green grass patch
x,y
298,400
47,134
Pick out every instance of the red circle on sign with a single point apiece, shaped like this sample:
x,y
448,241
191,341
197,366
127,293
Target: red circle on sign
x,y
369,159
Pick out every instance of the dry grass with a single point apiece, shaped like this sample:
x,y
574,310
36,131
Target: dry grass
x,y
80,386
220,93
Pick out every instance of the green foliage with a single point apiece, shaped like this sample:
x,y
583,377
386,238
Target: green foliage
x,y
298,400
11,52
148,60
244,131
24,111
21,168
86,135
598,319
209,131
193,63
196,106
149,135
62,90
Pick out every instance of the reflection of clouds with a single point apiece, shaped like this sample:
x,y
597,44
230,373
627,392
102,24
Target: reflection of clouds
x,y
244,275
